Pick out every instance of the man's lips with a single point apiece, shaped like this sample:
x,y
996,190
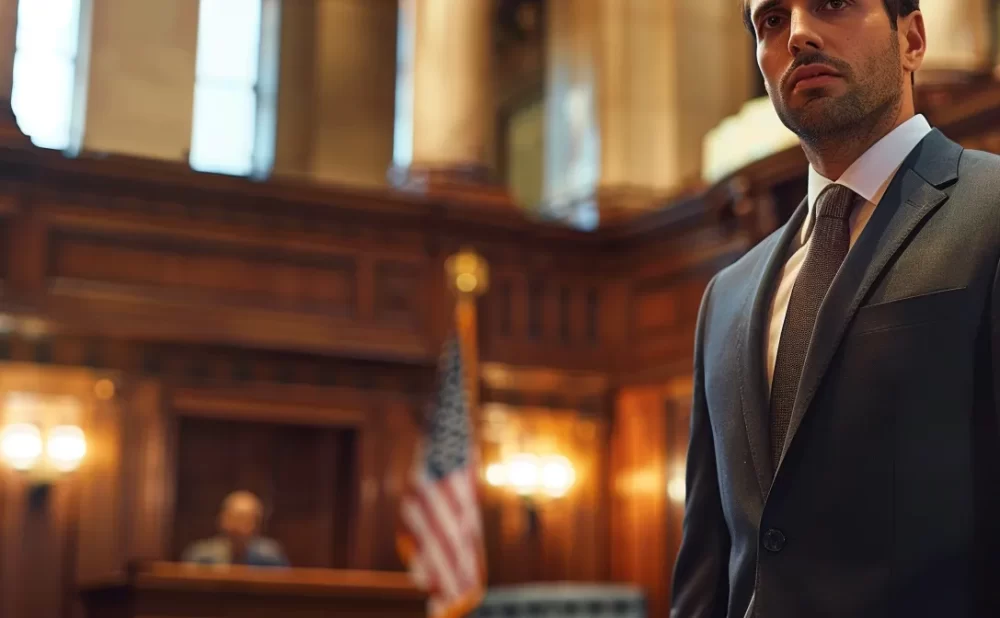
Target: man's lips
x,y
812,76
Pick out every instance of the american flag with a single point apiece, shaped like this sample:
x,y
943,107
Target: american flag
x,y
441,538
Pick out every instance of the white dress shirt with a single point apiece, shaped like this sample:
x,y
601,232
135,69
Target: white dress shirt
x,y
869,176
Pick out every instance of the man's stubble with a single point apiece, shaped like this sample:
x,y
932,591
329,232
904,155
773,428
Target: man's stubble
x,y
864,106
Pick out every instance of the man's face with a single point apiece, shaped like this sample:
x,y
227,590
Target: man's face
x,y
240,518
829,65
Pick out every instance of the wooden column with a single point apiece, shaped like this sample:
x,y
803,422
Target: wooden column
x,y
959,39
444,100
632,88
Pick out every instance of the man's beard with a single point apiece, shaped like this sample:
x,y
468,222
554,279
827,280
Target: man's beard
x,y
862,106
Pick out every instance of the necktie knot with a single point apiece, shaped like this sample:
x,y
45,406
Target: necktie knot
x,y
836,201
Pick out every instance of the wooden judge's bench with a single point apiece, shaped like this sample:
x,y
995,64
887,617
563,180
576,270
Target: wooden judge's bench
x,y
169,590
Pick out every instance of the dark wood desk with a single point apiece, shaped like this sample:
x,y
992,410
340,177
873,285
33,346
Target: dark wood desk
x,y
167,590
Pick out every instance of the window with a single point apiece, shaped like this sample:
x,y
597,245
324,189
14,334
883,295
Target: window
x,y
402,146
235,95
47,95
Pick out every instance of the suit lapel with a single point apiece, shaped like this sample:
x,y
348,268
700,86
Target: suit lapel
x,y
913,194
755,392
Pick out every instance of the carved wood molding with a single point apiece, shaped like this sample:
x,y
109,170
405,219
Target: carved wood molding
x,y
271,406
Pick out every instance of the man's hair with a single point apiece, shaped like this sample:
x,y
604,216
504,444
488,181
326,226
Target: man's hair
x,y
894,8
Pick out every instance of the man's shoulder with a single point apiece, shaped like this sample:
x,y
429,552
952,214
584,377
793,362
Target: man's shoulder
x,y
268,551
267,545
978,189
977,164
207,550
744,267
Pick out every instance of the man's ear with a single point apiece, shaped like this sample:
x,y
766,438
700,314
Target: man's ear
x,y
912,40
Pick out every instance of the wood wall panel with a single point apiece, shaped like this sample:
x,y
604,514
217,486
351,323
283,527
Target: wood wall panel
x,y
212,274
44,532
4,242
570,542
101,548
294,469
149,491
399,287
554,319
401,432
648,447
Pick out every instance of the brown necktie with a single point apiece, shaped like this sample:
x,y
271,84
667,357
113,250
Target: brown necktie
x,y
831,238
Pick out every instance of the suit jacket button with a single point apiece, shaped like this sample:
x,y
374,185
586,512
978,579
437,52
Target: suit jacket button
x,y
774,540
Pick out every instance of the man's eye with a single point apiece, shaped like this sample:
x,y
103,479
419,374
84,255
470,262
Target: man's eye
x,y
836,5
772,21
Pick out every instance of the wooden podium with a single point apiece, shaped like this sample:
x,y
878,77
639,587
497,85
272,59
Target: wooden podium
x,y
168,590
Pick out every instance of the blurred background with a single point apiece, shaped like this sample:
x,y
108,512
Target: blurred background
x,y
236,235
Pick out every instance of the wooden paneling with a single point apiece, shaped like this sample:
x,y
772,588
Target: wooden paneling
x,y
4,242
570,540
53,537
294,469
399,439
647,463
664,309
100,547
149,473
210,274
552,318
398,294
169,590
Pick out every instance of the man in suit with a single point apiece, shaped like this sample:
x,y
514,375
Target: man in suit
x,y
845,451
239,541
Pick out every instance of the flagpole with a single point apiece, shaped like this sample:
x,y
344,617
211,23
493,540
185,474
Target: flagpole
x,y
466,324
468,277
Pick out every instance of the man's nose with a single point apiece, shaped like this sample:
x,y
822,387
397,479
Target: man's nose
x,y
803,35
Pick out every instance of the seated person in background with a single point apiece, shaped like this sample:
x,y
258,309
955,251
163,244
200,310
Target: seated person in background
x,y
237,543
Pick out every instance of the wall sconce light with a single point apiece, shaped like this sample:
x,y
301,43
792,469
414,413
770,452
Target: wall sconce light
x,y
535,478
526,474
41,437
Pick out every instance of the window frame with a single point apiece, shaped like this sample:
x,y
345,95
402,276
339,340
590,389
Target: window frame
x,y
79,64
264,92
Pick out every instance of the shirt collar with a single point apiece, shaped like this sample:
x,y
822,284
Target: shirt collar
x,y
870,174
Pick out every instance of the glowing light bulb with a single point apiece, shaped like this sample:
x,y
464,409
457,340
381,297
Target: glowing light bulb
x,y
496,475
66,447
21,445
557,475
523,473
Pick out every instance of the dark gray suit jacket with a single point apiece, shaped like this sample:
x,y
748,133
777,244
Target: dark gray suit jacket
x,y
886,502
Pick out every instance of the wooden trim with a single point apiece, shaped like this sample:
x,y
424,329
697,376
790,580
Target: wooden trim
x,y
369,455
151,452
502,376
169,576
193,403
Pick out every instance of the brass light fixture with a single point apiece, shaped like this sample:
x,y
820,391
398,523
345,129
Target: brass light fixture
x,y
41,436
